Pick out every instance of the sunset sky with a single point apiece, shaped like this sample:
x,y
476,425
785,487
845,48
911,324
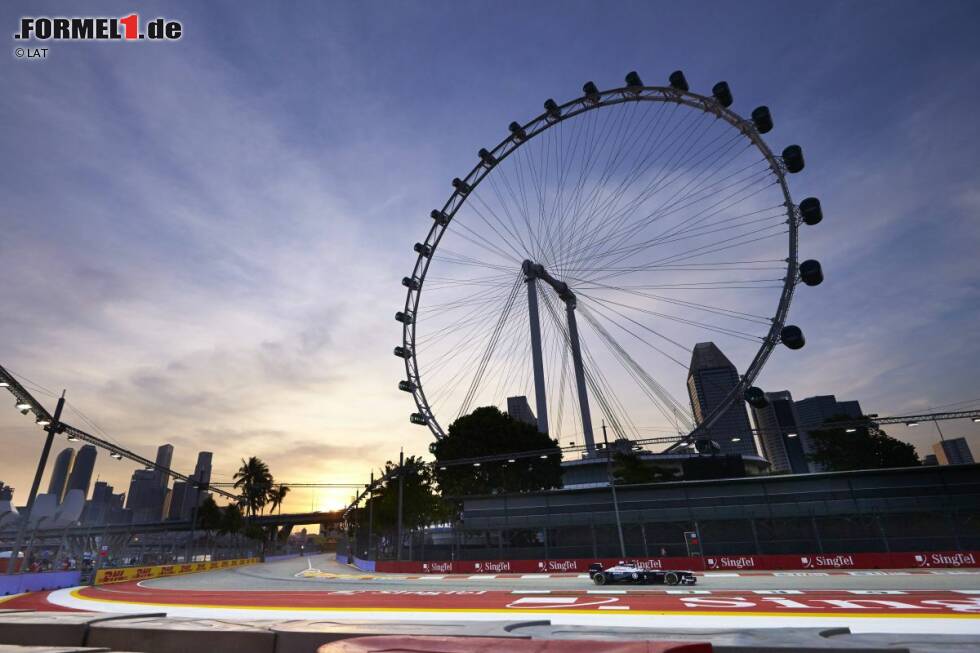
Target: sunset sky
x,y
202,241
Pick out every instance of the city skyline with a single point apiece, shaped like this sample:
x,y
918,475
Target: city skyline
x,y
231,292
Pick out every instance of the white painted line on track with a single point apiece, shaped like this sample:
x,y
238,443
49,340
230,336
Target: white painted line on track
x,y
614,607
534,576
546,599
482,577
619,618
967,591
713,574
582,576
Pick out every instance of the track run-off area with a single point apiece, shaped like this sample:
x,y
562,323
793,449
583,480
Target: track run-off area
x,y
924,601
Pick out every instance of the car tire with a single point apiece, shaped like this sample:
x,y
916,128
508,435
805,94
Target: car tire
x,y
599,578
672,578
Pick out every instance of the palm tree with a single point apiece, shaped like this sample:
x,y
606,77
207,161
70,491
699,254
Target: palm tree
x,y
277,496
254,481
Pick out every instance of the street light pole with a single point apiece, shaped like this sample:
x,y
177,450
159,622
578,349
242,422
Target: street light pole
x,y
401,492
51,428
370,516
612,486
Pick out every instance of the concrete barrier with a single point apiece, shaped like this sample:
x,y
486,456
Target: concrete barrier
x,y
48,580
123,574
163,635
285,556
494,644
52,628
364,565
14,648
307,635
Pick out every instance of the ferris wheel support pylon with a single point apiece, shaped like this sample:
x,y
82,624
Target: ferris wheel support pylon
x,y
540,396
583,395
533,272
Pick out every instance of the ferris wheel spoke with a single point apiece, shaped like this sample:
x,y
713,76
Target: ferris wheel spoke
x,y
488,353
519,234
728,224
673,148
512,240
667,405
659,184
694,253
617,126
608,304
677,204
448,256
617,154
708,308
477,240
470,362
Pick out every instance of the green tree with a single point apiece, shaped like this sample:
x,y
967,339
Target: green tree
x,y
232,520
630,469
277,496
487,432
421,503
208,515
254,482
868,447
208,519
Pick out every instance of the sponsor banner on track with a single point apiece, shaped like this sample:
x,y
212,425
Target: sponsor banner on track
x,y
745,563
123,574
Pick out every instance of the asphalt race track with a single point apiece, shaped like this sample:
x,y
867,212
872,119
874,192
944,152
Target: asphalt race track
x,y
923,601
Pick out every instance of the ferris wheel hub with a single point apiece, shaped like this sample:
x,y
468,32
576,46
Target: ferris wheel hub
x,y
532,271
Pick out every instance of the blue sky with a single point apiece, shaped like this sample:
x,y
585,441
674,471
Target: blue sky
x,y
202,240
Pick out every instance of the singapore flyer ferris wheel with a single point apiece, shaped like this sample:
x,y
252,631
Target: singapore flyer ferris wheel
x,y
584,257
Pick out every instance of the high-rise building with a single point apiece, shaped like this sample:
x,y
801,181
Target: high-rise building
x,y
145,498
711,379
59,475
519,409
81,473
784,445
165,454
178,501
817,410
953,451
98,508
202,470
202,476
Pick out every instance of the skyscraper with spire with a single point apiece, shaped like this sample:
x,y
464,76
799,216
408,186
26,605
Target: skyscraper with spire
x,y
711,378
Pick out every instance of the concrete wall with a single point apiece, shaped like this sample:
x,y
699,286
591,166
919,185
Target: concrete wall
x,y
49,580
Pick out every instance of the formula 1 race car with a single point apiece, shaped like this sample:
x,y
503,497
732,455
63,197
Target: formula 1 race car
x,y
630,572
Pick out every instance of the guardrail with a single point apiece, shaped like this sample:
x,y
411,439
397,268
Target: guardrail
x,y
123,574
801,562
